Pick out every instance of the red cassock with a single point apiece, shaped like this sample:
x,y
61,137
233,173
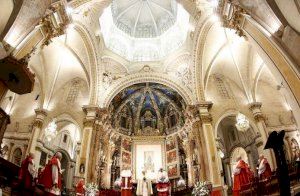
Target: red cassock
x,y
268,172
126,186
25,177
46,177
80,188
242,178
163,188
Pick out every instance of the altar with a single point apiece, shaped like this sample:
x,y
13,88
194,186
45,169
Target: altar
x,y
148,156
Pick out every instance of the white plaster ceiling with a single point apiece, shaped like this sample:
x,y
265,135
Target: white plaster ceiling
x,y
144,18
145,36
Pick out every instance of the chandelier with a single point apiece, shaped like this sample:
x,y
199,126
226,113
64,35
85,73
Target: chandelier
x,y
50,131
242,123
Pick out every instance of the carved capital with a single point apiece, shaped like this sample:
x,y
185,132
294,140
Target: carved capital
x,y
259,117
255,106
90,110
232,16
37,123
206,118
205,105
41,113
88,122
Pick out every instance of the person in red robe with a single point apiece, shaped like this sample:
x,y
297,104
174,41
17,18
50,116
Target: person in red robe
x,y
264,169
126,184
51,177
27,175
241,176
80,187
163,183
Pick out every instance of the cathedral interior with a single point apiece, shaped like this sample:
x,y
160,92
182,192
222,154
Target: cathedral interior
x,y
184,85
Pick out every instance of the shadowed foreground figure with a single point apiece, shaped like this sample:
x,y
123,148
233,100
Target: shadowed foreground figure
x,y
275,141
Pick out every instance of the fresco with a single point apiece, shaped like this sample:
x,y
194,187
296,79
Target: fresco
x,y
171,156
126,158
170,144
126,144
172,171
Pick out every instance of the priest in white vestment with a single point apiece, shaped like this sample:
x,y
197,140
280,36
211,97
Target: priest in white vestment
x,y
144,186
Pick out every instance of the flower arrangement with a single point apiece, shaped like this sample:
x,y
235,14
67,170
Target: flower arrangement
x,y
117,183
181,182
91,189
201,189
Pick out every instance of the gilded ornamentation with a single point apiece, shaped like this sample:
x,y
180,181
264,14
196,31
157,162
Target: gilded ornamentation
x,y
255,107
232,16
55,22
38,123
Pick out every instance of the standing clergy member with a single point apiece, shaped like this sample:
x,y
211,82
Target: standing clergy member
x,y
27,174
126,185
144,186
241,176
51,178
163,184
264,169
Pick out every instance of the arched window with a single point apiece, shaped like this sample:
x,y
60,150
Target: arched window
x,y
17,156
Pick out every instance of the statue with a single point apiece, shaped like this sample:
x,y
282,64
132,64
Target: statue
x,y
148,165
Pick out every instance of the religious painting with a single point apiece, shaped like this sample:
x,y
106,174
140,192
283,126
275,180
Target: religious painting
x,y
126,144
294,148
149,160
171,156
126,158
172,170
170,144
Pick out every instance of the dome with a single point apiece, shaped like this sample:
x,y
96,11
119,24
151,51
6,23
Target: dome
x,y
144,30
147,109
144,18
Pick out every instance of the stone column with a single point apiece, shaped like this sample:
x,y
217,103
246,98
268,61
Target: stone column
x,y
24,151
228,174
88,126
260,142
210,144
9,154
96,145
36,129
251,162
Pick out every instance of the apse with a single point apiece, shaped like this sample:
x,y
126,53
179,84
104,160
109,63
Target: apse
x,y
146,121
147,109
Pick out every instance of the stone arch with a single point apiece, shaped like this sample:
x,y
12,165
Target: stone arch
x,y
233,112
198,49
13,15
146,77
279,63
60,118
16,156
92,59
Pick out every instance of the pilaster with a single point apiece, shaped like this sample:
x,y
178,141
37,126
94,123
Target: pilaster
x,y
210,143
260,142
38,122
88,126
